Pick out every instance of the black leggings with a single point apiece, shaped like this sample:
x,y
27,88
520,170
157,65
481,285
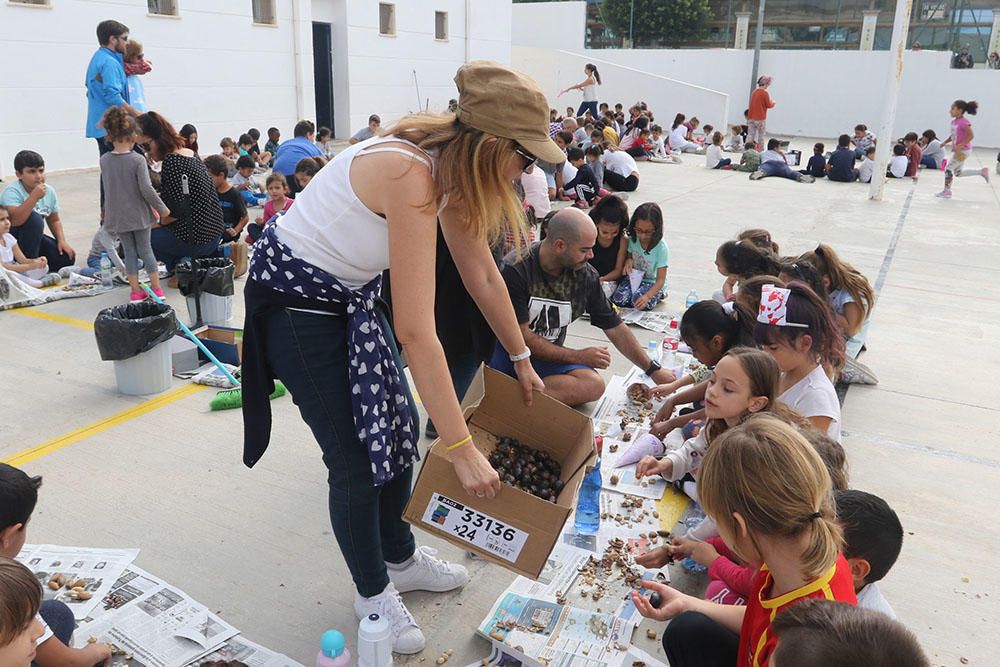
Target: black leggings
x,y
619,182
693,639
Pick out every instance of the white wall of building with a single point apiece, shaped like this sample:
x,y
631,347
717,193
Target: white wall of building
x,y
553,25
211,66
818,93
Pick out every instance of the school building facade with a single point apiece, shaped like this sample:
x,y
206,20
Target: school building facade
x,y
228,65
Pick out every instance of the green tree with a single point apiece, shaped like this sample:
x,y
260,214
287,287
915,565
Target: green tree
x,y
657,22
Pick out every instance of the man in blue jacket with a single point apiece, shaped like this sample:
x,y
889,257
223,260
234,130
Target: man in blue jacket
x,y
106,83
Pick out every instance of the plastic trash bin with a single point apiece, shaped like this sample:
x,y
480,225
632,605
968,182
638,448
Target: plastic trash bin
x,y
136,337
207,282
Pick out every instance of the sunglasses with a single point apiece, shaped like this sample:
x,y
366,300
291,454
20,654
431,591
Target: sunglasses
x,y
528,158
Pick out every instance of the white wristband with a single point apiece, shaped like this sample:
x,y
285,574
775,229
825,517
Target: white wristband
x,y
521,357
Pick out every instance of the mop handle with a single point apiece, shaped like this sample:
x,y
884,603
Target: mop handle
x,y
196,341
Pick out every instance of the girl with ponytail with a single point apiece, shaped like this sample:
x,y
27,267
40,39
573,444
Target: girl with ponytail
x,y
850,294
771,497
589,88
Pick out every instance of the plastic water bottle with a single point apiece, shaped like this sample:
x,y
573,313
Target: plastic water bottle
x,y
106,278
333,652
692,299
374,642
654,351
587,519
690,564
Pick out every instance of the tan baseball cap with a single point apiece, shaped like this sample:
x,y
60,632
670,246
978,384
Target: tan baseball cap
x,y
499,101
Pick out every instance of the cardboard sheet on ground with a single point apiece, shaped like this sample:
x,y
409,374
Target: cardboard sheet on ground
x,y
99,569
16,294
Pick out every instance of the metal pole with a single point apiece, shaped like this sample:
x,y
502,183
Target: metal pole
x,y
756,45
900,28
631,16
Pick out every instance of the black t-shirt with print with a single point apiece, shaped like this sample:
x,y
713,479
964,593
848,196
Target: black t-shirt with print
x,y
549,304
233,207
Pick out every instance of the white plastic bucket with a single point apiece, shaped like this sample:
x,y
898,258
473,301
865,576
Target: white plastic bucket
x,y
145,373
214,309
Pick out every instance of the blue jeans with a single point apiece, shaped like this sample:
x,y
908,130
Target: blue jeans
x,y
60,620
33,241
170,250
308,353
929,162
778,168
501,362
623,296
588,106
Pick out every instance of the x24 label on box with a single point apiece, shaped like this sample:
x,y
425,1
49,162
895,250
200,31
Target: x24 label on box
x,y
474,527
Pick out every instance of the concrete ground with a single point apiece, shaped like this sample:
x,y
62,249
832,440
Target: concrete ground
x,y
256,546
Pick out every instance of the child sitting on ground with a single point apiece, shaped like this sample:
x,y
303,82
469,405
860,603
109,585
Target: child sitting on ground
x,y
54,623
771,498
305,171
862,140
234,210
230,153
647,253
32,204
245,184
817,163
914,154
932,153
610,215
850,294
734,140
898,163
873,538
131,200
841,164
825,633
33,272
246,149
273,135
750,160
742,259
277,204
369,131
583,189
797,328
713,154
867,167
324,141
595,138
20,630
774,163
593,155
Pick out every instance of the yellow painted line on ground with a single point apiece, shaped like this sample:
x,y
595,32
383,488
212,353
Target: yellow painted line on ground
x,y
67,439
670,507
52,317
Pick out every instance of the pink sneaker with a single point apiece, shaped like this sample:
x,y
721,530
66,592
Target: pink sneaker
x,y
944,194
137,296
985,173
158,292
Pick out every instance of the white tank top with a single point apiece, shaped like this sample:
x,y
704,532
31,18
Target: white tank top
x,y
590,93
331,228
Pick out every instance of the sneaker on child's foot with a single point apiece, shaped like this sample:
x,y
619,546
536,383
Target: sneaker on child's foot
x,y
806,178
50,279
407,638
985,172
65,271
137,296
944,194
757,175
424,572
158,292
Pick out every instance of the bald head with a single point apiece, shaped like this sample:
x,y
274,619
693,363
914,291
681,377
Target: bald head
x,y
570,124
570,238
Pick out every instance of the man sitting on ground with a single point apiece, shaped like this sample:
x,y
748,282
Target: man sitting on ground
x,y
552,285
293,150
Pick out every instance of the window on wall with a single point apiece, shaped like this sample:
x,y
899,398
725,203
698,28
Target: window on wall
x,y
37,3
162,7
440,25
264,12
386,18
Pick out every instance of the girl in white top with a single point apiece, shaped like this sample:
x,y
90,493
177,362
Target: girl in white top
x,y
713,153
798,329
678,137
589,87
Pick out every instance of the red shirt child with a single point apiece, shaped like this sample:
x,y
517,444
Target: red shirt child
x,y
756,641
913,155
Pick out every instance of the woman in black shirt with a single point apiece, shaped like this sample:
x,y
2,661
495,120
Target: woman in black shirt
x,y
195,224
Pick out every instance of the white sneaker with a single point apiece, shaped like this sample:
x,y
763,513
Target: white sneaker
x,y
407,637
427,573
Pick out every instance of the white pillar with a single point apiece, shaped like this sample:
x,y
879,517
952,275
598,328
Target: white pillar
x,y
900,28
743,29
994,34
868,29
302,54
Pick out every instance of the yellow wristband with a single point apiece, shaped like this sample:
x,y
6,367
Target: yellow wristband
x,y
461,443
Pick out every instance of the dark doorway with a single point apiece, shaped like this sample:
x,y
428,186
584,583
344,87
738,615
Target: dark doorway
x,y
323,73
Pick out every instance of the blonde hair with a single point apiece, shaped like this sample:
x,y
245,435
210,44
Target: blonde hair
x,y
769,473
20,596
119,124
133,48
470,167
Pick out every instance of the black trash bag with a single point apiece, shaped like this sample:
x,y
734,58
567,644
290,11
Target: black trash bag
x,y
212,275
133,328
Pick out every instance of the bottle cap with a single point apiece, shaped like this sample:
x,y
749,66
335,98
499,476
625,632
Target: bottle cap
x,y
333,643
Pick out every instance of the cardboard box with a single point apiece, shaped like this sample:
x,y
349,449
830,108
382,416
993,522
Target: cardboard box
x,y
225,343
515,529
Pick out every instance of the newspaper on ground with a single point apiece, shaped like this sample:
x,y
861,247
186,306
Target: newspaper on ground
x,y
653,320
161,628
636,657
130,586
15,293
93,570
248,653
